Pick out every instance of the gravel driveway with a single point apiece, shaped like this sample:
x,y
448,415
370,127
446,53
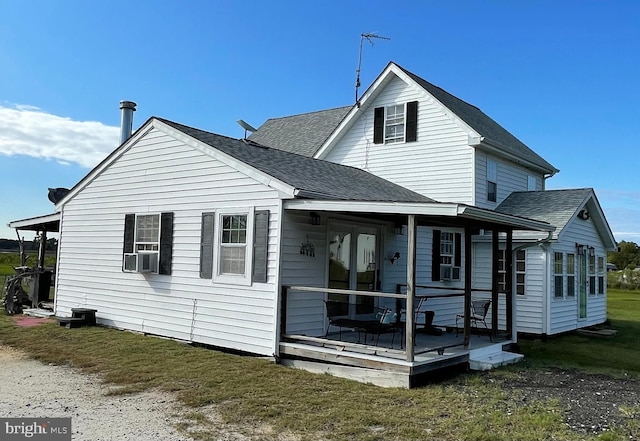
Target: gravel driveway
x,y
29,388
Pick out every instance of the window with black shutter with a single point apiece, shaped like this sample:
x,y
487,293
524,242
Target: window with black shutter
x,y
148,243
395,123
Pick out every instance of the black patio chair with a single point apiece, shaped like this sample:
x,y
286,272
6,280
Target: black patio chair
x,y
479,310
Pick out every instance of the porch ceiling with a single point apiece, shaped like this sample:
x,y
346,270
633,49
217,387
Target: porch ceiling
x,y
426,213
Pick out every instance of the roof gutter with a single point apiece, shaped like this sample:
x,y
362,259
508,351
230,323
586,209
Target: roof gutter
x,y
505,219
494,145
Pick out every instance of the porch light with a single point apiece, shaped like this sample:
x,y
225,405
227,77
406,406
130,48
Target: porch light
x,y
584,214
592,251
315,218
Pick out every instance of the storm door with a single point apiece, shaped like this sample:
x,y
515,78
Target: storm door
x,y
353,265
582,285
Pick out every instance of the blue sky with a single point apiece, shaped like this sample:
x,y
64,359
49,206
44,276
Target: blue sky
x,y
563,76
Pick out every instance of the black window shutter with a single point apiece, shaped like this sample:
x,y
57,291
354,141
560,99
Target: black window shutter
x,y
412,121
260,246
166,243
378,125
129,233
206,245
457,256
435,256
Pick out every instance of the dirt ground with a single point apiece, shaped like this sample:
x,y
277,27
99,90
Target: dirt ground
x,y
593,403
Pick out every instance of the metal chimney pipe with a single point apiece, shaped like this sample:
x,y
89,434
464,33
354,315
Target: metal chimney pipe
x,y
126,123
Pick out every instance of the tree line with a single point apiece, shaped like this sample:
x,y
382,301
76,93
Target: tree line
x,y
29,245
626,257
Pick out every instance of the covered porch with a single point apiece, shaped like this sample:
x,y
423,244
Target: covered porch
x,y
443,331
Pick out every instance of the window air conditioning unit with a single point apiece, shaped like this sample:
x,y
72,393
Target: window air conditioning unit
x,y
449,272
140,262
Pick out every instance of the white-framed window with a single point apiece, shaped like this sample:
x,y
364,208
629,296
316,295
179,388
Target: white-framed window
x,y
148,243
532,183
601,274
394,124
558,277
571,275
520,271
448,268
592,273
234,245
492,180
147,233
502,270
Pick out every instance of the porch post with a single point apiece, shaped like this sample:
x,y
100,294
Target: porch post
x,y
495,242
283,311
511,301
42,249
467,285
411,286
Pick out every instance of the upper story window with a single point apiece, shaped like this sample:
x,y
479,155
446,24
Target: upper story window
x,y
532,183
492,180
395,123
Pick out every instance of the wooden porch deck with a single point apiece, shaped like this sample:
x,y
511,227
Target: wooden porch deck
x,y
383,362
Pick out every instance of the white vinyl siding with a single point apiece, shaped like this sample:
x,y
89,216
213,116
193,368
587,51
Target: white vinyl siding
x,y
442,148
510,177
564,315
160,174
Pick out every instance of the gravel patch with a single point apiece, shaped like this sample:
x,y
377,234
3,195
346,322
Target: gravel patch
x,y
29,388
593,403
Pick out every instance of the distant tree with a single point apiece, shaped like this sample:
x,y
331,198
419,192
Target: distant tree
x,y
627,256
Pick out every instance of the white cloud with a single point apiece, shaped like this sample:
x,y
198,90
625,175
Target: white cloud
x,y
27,130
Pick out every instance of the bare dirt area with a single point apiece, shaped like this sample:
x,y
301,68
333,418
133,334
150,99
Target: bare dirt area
x,y
593,403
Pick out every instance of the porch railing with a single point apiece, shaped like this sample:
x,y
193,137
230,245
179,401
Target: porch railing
x,y
409,337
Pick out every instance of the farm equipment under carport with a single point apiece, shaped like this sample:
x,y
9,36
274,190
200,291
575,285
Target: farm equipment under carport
x,y
29,287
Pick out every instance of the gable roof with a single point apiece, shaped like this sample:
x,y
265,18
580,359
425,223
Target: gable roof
x,y
558,208
302,134
492,132
308,133
312,178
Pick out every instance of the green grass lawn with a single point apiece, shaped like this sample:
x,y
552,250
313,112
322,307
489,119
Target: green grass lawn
x,y
614,355
253,392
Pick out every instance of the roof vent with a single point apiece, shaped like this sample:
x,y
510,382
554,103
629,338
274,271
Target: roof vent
x,y
126,123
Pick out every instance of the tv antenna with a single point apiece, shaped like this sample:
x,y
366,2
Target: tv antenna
x,y
369,36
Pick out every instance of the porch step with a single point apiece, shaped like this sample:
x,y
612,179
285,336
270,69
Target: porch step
x,y
485,362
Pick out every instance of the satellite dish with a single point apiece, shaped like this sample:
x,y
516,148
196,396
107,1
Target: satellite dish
x,y
246,126
55,194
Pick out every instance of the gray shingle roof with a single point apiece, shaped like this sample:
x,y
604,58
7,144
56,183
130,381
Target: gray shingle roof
x,y
482,123
314,178
302,134
556,207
